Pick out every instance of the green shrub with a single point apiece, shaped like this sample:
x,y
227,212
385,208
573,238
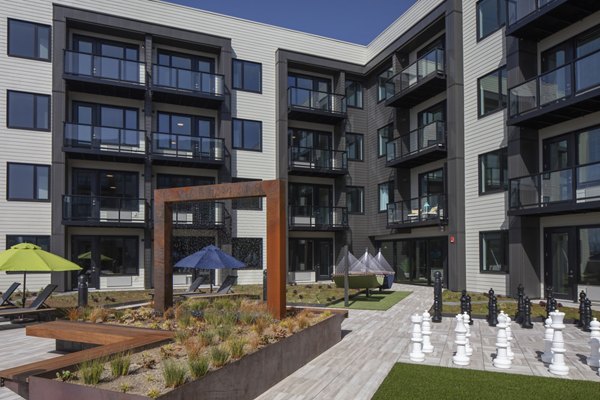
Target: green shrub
x,y
225,304
224,331
185,319
91,371
236,347
198,305
219,356
153,393
198,366
173,374
181,336
207,337
119,365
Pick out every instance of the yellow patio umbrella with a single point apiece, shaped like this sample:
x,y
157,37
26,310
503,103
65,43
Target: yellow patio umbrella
x,y
88,256
27,257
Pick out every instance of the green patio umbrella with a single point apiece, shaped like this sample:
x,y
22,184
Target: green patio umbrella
x,y
88,256
27,257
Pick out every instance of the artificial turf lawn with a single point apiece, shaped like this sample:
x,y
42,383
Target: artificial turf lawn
x,y
379,301
411,381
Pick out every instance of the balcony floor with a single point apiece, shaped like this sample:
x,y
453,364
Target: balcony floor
x,y
563,208
308,171
314,115
103,155
428,87
416,224
106,87
163,94
422,157
158,159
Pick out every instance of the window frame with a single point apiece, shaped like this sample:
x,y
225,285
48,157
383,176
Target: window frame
x,y
233,121
235,203
34,183
35,241
258,268
391,189
35,96
503,171
243,62
504,238
390,136
36,42
502,106
362,147
501,24
361,190
390,72
362,94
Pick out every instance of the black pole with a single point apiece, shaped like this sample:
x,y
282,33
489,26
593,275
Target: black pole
x,y
437,297
82,290
265,284
520,310
527,314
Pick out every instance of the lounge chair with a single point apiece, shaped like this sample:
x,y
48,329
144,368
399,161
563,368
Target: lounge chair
x,y
225,288
194,286
5,299
37,307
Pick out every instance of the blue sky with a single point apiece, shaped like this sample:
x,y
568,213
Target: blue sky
x,y
356,21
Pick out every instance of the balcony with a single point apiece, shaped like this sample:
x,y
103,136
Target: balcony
x,y
420,211
175,149
567,92
418,147
103,211
565,191
101,142
313,218
314,106
186,87
421,80
111,76
317,162
199,215
538,19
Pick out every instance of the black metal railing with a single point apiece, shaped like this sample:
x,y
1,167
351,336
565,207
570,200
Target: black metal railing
x,y
188,147
315,217
101,209
188,80
318,159
431,63
556,85
103,139
427,137
569,186
198,214
519,9
315,100
112,68
419,209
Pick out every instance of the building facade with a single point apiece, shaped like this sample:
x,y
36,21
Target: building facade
x,y
463,139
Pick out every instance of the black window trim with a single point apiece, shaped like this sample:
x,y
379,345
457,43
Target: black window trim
x,y
34,183
35,95
98,237
501,25
362,94
243,62
390,71
262,244
503,164
362,153
362,191
390,137
194,117
36,236
235,205
390,195
36,45
259,150
504,237
502,106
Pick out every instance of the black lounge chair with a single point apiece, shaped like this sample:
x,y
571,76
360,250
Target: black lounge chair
x,y
5,299
37,307
194,286
225,288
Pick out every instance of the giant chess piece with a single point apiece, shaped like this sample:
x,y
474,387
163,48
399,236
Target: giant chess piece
x,y
548,335
526,324
509,338
582,297
463,302
558,366
461,358
594,359
467,322
548,301
489,314
493,312
417,339
469,309
501,360
426,332
437,297
587,311
520,304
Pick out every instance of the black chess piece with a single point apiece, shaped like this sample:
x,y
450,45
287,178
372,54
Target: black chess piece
x,y
493,312
520,311
463,302
526,324
588,315
490,295
469,309
582,297
437,298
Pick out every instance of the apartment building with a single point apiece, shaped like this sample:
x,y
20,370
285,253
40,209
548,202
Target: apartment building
x,y
463,139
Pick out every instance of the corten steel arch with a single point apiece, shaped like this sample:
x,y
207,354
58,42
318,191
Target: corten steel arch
x,y
275,193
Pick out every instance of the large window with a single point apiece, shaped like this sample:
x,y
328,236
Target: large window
x,y
383,136
247,76
492,92
355,199
354,94
28,111
589,255
247,135
355,146
493,171
28,40
493,252
386,195
491,16
28,182
42,241
384,88
106,255
248,251
248,203
165,181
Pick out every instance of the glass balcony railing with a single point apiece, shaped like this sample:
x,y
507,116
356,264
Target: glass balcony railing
x,y
110,68
198,214
571,186
318,218
429,64
419,209
318,159
104,139
188,80
557,85
188,147
316,101
414,142
101,209
519,9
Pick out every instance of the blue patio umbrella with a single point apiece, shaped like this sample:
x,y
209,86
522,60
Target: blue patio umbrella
x,y
211,257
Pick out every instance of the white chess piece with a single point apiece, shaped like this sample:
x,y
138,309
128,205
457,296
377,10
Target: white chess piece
x,y
426,331
501,360
594,359
460,358
468,348
558,366
548,335
509,338
417,339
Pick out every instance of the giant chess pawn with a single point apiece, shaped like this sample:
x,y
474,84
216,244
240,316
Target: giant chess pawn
x,y
548,335
467,321
426,331
558,366
501,360
509,338
417,339
460,358
594,358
